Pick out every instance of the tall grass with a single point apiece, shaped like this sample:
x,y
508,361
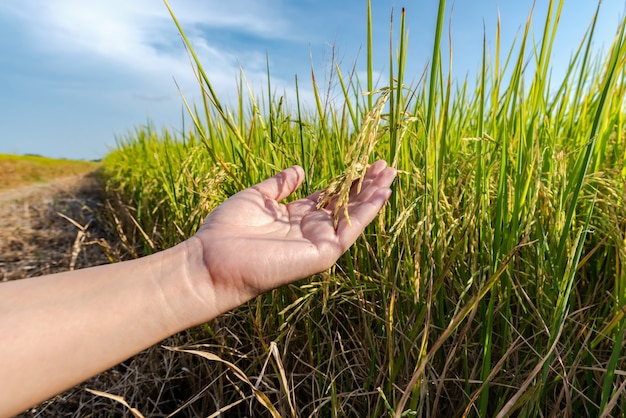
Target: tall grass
x,y
494,282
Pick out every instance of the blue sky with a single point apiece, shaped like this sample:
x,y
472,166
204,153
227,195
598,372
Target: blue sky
x,y
76,74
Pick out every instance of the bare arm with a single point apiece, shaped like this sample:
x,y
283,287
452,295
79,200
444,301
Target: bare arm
x,y
58,330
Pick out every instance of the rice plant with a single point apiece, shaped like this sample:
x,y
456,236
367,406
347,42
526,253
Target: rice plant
x,y
492,284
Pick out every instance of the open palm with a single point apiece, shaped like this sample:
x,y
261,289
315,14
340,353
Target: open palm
x,y
252,243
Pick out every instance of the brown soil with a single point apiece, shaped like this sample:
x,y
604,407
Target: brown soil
x,y
52,227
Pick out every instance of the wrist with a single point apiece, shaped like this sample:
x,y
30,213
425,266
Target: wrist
x,y
174,279
195,300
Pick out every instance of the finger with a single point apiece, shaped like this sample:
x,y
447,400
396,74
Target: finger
x,y
361,214
383,179
376,168
377,174
372,172
282,184
364,207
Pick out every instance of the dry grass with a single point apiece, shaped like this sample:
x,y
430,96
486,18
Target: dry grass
x,y
36,237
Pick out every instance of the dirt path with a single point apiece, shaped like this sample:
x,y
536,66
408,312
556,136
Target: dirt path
x,y
51,227
41,189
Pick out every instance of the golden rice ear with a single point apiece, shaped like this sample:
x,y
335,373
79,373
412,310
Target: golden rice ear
x,y
356,161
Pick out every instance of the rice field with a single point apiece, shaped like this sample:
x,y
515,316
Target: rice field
x,y
492,284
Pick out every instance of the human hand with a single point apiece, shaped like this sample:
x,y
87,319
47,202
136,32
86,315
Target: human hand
x,y
252,243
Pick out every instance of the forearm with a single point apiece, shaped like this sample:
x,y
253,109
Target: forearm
x,y
59,330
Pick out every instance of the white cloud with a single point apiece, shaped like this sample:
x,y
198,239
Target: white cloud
x,y
139,38
110,64
258,17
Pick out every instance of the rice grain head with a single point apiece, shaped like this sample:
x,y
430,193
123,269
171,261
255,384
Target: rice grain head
x,y
357,161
